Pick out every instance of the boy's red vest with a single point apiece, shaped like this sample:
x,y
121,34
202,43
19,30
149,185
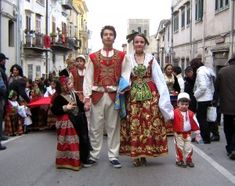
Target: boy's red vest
x,y
178,125
107,71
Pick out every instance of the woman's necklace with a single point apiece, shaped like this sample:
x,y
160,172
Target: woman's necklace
x,y
139,58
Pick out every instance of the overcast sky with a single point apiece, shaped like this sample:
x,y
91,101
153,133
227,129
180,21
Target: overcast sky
x,y
117,12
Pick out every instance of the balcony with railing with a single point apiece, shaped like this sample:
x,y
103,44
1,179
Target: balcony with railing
x,y
62,43
67,4
35,41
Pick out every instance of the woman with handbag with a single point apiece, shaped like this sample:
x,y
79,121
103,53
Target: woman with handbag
x,y
204,93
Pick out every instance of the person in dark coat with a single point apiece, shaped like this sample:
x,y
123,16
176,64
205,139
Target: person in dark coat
x,y
189,81
225,85
3,95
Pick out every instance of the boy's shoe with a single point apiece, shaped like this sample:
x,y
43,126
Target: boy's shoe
x,y
116,163
232,155
215,138
89,163
3,138
2,147
181,164
190,164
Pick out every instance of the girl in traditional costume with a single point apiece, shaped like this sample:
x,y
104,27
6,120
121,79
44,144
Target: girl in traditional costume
x,y
73,145
143,131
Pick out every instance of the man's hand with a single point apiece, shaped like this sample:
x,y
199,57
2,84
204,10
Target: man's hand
x,y
87,104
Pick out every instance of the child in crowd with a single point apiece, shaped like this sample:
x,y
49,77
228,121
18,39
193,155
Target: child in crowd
x,y
28,88
184,123
13,121
50,90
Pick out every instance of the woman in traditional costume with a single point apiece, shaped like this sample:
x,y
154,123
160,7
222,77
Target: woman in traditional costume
x,y
143,131
73,145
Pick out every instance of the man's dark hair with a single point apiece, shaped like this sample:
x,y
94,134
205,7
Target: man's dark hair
x,y
177,70
196,63
108,27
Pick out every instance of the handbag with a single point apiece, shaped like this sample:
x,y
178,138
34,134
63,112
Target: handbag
x,y
211,114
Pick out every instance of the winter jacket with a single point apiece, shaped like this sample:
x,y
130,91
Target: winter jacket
x,y
226,88
204,84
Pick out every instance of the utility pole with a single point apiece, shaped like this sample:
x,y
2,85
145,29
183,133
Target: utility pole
x,y
47,69
18,34
0,25
172,35
232,26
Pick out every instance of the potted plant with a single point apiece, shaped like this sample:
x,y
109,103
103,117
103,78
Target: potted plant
x,y
53,35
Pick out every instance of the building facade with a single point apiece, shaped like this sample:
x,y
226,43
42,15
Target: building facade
x,y
8,30
202,28
40,34
83,32
163,38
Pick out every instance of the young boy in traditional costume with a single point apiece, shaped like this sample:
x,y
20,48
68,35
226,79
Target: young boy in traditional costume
x,y
185,122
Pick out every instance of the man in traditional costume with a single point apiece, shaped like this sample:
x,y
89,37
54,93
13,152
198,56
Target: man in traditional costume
x,y
104,69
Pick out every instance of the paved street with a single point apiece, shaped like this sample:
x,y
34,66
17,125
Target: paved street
x,y
29,161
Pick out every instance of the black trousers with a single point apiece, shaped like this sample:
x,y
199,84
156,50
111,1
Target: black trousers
x,y
2,110
229,131
205,127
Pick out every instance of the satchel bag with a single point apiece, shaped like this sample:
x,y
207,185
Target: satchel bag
x,y
211,114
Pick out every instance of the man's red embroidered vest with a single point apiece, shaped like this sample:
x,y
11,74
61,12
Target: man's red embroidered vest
x,y
107,71
178,125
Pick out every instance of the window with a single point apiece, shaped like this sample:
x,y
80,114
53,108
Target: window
x,y
198,10
139,29
41,2
221,5
188,15
11,33
28,22
30,71
38,23
168,34
53,24
176,21
38,71
64,30
182,17
145,32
